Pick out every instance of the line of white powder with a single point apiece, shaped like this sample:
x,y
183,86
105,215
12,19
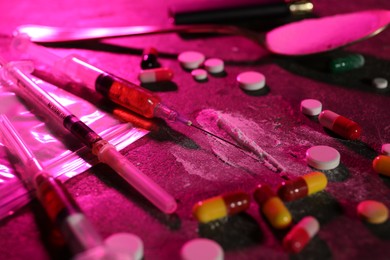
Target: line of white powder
x,y
250,145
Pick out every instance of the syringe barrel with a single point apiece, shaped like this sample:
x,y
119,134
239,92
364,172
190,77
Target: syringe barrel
x,y
120,91
142,183
80,233
65,213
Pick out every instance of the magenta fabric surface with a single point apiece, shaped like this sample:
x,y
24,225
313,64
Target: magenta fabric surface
x,y
193,166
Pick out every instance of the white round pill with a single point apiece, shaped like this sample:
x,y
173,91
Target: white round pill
x,y
214,65
191,59
199,74
201,248
386,149
380,83
323,157
311,107
126,244
251,80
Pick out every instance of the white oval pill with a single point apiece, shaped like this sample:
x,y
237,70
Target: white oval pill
x,y
251,80
311,107
199,74
380,83
323,157
191,59
126,244
214,65
386,149
201,248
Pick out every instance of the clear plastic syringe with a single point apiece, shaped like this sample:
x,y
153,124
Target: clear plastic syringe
x,y
120,91
59,205
14,74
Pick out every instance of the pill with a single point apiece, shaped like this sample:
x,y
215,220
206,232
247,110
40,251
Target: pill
x,y
311,107
381,164
322,157
199,74
350,62
214,65
272,207
126,244
302,186
301,234
221,206
372,211
191,59
149,59
380,83
201,248
251,80
385,149
155,75
340,125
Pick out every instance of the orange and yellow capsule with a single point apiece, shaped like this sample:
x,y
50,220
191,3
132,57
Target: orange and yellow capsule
x,y
303,186
221,206
381,164
272,207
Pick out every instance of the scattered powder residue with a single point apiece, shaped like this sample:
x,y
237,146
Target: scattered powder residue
x,y
201,164
242,131
194,169
241,138
266,149
318,35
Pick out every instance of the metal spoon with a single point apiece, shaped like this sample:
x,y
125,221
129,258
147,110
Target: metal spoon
x,y
305,37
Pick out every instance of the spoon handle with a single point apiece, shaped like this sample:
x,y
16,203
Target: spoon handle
x,y
47,34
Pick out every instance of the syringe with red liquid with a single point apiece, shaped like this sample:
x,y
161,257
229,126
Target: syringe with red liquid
x,y
59,205
118,90
14,75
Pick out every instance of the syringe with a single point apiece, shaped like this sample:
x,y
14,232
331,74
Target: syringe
x,y
119,91
59,205
13,74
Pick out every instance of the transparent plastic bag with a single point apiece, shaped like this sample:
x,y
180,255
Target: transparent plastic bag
x,y
62,155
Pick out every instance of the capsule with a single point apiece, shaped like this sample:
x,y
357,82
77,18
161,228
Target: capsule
x,y
381,164
350,62
272,207
155,75
342,126
221,206
372,211
149,59
301,234
302,186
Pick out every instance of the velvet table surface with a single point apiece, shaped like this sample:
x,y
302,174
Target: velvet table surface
x,y
193,166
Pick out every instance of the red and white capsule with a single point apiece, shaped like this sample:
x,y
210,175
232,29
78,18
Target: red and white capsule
x,y
155,75
340,125
301,234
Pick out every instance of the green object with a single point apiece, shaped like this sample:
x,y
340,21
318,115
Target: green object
x,y
350,62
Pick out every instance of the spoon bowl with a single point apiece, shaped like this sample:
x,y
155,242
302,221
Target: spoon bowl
x,y
306,37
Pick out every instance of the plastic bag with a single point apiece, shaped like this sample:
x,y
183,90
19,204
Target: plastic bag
x,y
61,154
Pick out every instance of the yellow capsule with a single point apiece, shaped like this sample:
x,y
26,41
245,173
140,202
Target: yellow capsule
x,y
277,213
381,164
373,212
272,207
316,181
303,186
221,206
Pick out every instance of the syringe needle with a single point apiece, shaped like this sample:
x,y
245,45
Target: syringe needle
x,y
216,136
